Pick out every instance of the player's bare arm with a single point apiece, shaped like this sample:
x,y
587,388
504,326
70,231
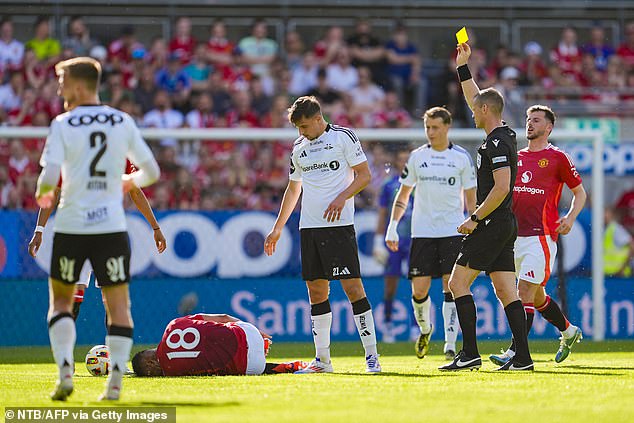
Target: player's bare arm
x,y
578,201
398,210
289,201
42,218
469,86
361,180
140,200
470,200
501,188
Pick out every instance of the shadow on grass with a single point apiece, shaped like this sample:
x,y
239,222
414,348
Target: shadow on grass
x,y
582,367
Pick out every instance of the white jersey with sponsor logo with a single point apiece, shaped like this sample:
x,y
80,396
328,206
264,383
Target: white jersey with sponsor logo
x,y
324,166
91,144
440,178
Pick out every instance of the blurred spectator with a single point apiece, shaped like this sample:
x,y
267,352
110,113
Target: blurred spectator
x,y
183,44
11,50
259,99
48,101
203,115
616,73
242,114
45,47
325,94
158,54
6,187
598,48
277,115
11,92
626,49
501,59
392,115
145,90
186,194
219,93
345,114
113,91
567,55
23,115
163,116
19,162
160,199
625,209
294,49
175,81
367,50
340,74
238,76
304,76
78,40
514,106
532,67
198,69
367,97
259,52
120,50
326,49
219,48
35,71
618,247
404,68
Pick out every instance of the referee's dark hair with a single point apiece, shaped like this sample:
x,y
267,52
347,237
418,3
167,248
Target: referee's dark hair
x,y
304,107
548,112
492,98
438,112
85,69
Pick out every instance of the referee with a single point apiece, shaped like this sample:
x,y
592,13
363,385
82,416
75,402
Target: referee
x,y
329,166
491,230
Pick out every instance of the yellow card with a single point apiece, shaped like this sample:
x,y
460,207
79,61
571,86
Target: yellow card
x,y
462,36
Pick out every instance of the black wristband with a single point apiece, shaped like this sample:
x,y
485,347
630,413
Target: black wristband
x,y
157,228
463,73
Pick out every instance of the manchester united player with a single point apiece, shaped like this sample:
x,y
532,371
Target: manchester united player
x,y
140,200
210,344
543,169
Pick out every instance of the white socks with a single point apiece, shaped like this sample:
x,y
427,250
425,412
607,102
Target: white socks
x,y
570,330
422,314
365,326
450,319
62,335
120,347
321,335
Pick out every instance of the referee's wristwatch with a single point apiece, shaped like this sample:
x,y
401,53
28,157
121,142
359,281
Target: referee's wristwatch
x,y
474,217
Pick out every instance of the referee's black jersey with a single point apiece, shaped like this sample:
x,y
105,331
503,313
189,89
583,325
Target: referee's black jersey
x,y
498,150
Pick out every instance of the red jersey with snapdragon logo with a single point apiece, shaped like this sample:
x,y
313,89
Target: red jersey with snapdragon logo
x,y
192,346
541,176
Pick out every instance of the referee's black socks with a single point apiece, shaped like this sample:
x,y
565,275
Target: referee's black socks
x,y
517,321
465,306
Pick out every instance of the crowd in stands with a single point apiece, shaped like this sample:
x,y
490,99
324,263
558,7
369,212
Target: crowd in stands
x,y
361,81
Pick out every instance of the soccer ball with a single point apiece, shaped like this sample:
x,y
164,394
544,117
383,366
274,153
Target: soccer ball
x,y
98,360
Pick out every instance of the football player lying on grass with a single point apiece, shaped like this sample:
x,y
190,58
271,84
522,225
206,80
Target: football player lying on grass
x,y
210,344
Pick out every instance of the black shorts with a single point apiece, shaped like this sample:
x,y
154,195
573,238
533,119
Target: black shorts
x,y
433,256
109,255
490,246
329,253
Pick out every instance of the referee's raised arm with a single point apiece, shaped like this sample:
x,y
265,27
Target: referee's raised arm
x,y
469,86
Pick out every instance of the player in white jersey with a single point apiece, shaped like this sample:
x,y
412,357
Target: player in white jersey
x,y
443,177
329,166
89,145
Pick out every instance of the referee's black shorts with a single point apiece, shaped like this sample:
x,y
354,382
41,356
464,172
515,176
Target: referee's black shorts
x,y
490,246
433,256
329,253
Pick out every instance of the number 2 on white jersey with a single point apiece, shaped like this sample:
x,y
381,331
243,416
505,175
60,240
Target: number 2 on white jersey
x,y
97,139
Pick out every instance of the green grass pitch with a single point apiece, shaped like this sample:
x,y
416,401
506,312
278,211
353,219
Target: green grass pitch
x,y
595,384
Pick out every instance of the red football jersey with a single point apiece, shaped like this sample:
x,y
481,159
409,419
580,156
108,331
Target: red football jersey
x,y
540,179
192,346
